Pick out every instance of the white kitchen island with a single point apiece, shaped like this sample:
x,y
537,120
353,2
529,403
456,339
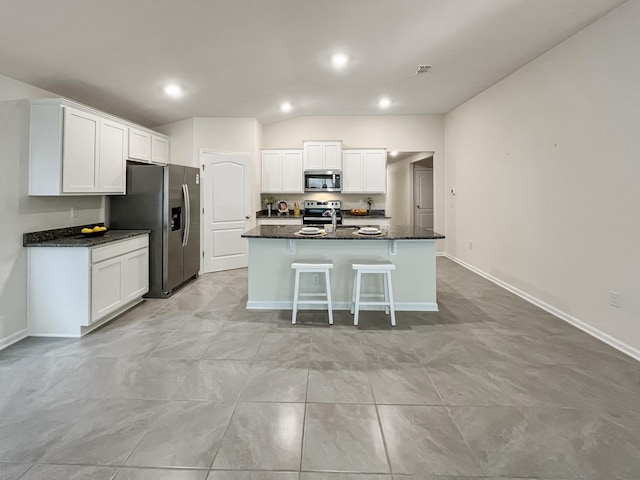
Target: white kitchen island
x,y
272,249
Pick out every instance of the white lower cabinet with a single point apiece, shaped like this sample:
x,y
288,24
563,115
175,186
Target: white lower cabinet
x,y
136,274
74,289
107,286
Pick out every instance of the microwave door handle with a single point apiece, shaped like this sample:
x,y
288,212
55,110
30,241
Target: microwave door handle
x,y
187,214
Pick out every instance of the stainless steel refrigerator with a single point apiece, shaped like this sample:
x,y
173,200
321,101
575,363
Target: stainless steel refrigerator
x,y
165,200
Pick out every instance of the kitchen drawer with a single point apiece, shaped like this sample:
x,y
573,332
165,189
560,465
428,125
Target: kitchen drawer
x,y
98,254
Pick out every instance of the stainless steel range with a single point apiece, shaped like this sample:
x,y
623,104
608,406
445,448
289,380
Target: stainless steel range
x,y
320,213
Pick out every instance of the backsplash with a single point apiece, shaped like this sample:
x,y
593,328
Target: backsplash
x,y
348,201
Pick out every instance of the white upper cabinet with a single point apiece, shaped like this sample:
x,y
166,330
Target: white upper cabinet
x,y
292,171
75,152
148,147
271,171
352,177
80,151
375,171
139,145
111,161
282,171
159,149
364,171
323,155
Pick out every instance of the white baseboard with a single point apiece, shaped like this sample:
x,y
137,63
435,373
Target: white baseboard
x,y
286,305
54,335
13,338
585,327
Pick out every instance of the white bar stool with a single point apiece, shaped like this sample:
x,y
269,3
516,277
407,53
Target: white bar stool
x,y
380,267
312,267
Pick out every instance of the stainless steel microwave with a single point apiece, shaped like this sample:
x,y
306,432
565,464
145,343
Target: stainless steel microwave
x,y
322,181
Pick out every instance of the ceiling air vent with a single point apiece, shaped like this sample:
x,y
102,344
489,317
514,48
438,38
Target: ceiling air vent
x,y
422,69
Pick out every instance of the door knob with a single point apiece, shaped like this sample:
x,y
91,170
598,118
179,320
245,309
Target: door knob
x,y
247,217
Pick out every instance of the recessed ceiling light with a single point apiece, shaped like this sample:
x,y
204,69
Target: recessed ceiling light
x,y
173,90
384,102
339,60
285,107
394,153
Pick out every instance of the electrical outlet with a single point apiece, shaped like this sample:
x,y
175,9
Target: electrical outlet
x,y
316,279
615,299
74,212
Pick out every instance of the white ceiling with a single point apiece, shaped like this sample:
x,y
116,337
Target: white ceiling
x,y
242,58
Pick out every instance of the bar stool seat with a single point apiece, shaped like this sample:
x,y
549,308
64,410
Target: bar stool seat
x,y
382,267
312,266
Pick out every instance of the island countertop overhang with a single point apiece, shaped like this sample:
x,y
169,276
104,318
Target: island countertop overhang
x,y
395,232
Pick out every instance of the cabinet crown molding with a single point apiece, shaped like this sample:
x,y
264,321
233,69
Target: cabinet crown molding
x,y
65,102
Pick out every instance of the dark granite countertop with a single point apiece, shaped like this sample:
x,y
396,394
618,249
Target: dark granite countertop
x,y
77,240
371,214
396,232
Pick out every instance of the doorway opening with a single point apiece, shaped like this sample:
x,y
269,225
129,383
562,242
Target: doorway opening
x,y
423,215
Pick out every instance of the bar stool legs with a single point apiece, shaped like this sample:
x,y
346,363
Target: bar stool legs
x,y
384,268
312,267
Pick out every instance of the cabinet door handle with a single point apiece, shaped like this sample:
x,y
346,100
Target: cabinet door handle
x,y
247,217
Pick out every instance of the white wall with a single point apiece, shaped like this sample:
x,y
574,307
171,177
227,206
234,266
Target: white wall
x,y
240,135
181,148
404,133
20,213
231,135
546,166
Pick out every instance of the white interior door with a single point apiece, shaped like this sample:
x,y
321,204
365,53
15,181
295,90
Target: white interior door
x,y
226,210
423,197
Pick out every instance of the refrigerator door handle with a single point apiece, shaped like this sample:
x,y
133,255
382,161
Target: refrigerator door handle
x,y
187,214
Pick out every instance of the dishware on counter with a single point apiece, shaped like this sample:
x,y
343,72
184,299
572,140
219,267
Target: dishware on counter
x,y
310,230
359,211
369,231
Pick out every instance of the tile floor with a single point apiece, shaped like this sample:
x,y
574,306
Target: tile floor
x,y
197,388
